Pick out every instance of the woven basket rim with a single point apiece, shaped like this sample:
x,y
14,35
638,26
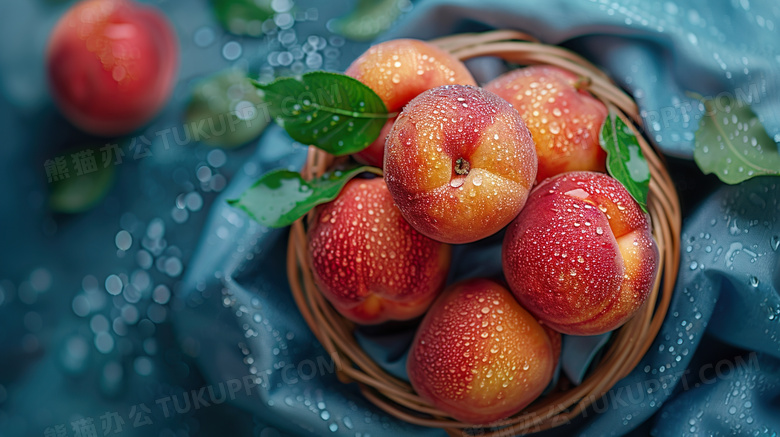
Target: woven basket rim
x,y
629,343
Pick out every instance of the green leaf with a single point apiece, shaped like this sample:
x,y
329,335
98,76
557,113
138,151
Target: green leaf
x,y
242,17
331,111
625,161
227,109
280,197
732,143
80,188
368,19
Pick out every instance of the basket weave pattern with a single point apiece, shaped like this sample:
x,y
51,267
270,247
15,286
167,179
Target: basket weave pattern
x,y
629,343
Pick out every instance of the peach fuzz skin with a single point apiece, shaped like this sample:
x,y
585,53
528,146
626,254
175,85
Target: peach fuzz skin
x,y
111,65
374,154
581,256
478,355
369,262
459,163
398,71
564,119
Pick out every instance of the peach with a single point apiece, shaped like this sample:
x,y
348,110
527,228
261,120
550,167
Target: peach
x,y
581,256
398,71
564,119
459,163
478,355
111,65
369,262
374,154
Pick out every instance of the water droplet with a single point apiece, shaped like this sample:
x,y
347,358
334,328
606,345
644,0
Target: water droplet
x,y
734,249
123,240
113,285
156,229
81,306
104,342
173,266
216,158
734,228
193,201
204,37
231,51
753,281
161,294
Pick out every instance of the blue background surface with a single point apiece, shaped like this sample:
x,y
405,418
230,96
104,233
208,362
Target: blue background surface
x,y
95,331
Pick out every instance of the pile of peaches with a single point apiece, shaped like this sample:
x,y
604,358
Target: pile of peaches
x,y
519,155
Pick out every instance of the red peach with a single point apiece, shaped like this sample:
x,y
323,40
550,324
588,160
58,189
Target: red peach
x,y
401,69
459,163
398,71
374,154
581,256
478,355
369,262
564,119
111,65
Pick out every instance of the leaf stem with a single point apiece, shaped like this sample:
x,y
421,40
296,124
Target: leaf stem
x,y
354,114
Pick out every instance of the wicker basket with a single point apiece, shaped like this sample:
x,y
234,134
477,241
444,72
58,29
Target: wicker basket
x,y
630,341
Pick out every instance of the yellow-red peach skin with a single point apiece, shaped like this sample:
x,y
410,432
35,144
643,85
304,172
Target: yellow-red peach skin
x,y
111,65
398,71
459,163
478,355
564,119
369,262
581,256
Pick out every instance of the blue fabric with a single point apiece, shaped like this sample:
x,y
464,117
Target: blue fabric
x,y
655,65
713,368
578,353
657,51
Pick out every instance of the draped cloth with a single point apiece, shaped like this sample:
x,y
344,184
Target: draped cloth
x,y
713,366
